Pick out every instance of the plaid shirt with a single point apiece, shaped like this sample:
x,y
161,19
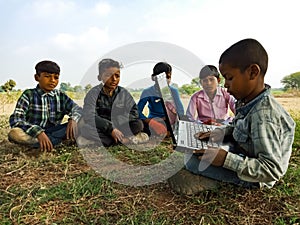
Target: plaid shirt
x,y
37,110
265,133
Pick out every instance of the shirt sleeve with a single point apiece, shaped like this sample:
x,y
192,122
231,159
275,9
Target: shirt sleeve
x,y
19,119
179,105
141,105
74,111
191,110
270,149
231,103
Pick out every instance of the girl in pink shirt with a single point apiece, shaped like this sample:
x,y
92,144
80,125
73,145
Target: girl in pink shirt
x,y
210,105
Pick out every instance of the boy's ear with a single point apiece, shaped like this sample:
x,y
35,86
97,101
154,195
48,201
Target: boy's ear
x,y
219,79
99,77
36,77
254,71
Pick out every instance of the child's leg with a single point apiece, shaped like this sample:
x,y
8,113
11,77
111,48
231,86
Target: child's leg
x,y
146,128
57,133
136,126
17,135
89,132
192,163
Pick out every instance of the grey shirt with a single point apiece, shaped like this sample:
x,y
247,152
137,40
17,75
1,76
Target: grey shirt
x,y
265,132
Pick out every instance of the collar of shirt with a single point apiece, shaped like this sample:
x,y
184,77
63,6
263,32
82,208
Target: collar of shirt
x,y
245,108
102,91
205,96
42,93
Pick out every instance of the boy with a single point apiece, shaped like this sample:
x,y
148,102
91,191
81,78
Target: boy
x,y
154,121
36,120
210,105
110,114
262,130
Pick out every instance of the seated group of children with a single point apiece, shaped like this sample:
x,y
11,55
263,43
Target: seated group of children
x,y
262,129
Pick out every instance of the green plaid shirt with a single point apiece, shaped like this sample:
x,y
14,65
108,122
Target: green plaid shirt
x,y
265,132
37,110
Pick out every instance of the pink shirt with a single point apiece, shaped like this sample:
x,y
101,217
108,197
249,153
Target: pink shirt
x,y
200,107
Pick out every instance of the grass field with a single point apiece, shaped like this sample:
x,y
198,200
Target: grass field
x,y
61,188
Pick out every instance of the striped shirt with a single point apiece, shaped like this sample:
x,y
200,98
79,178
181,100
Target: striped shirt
x,y
37,110
265,134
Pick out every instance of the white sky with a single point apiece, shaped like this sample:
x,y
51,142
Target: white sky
x,y
76,34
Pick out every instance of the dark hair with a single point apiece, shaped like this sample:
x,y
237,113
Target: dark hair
x,y
209,70
161,67
107,63
244,53
47,66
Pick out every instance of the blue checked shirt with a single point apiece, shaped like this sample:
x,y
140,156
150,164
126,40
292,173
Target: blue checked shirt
x,y
265,133
37,110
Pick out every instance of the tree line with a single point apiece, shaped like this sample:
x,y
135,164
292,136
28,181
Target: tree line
x,y
290,82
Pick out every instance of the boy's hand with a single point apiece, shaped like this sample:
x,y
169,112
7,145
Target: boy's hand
x,y
45,143
72,129
215,156
217,135
158,127
117,135
204,136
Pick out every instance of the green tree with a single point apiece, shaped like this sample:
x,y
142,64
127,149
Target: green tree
x,y
65,87
87,88
9,85
190,89
291,81
78,88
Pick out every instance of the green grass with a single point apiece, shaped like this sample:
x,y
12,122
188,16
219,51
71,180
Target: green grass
x,y
61,188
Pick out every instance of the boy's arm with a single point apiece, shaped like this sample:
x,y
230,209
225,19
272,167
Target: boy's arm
x,y
191,110
141,105
179,105
90,115
232,102
73,110
272,146
19,117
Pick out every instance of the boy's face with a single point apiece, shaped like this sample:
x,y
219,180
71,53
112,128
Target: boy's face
x,y
238,84
47,81
169,76
209,84
111,77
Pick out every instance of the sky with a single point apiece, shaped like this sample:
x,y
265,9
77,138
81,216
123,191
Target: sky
x,y
77,33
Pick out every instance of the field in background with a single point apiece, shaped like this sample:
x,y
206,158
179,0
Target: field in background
x,y
290,101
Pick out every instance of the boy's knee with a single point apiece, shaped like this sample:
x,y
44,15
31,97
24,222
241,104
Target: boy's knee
x,y
17,135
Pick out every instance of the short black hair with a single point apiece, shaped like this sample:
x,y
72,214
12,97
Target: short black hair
x,y
209,70
244,53
107,63
47,66
161,67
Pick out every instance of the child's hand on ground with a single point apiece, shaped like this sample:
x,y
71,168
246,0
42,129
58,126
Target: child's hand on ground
x,y
45,143
117,135
72,130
